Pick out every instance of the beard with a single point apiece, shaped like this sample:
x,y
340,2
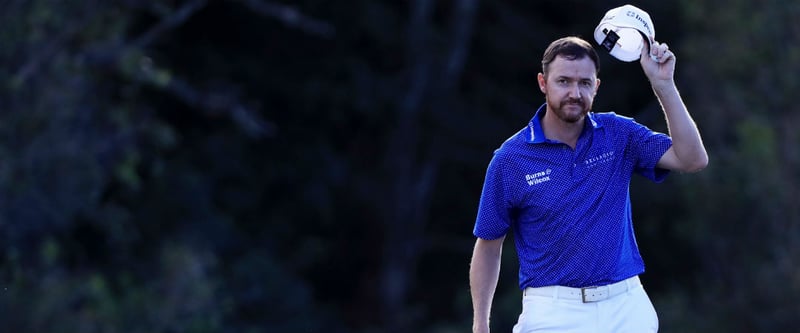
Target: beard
x,y
572,110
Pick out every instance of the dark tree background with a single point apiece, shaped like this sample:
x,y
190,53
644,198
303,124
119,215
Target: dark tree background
x,y
311,166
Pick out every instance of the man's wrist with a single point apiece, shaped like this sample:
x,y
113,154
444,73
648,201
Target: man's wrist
x,y
663,87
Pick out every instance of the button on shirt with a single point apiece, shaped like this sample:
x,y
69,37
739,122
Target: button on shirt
x,y
570,210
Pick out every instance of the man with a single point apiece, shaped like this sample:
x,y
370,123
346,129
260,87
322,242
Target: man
x,y
561,184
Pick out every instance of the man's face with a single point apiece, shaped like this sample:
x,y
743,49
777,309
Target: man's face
x,y
570,87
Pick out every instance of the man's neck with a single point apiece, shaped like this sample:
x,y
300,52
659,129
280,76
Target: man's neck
x,y
556,129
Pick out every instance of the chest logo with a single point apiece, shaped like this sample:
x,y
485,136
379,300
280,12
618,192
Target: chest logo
x,y
538,177
599,159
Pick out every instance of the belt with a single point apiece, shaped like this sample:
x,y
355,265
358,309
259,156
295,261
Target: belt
x,y
587,294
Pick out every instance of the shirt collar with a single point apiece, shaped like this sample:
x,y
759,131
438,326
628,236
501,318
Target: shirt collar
x,y
536,133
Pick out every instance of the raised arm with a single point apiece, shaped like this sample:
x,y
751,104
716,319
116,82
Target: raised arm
x,y
484,272
687,153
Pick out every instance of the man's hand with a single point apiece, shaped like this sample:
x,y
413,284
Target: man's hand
x,y
658,64
484,271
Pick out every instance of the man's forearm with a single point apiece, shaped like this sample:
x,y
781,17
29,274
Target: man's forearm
x,y
686,140
483,275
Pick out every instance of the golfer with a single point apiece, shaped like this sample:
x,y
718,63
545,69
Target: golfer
x,y
561,184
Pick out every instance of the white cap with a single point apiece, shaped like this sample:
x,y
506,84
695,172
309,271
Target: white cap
x,y
623,31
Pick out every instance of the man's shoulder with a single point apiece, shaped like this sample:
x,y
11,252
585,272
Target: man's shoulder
x,y
615,122
610,117
514,144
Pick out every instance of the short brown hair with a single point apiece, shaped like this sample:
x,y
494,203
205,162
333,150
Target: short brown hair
x,y
571,48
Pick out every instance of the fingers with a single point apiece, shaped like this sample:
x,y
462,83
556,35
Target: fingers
x,y
660,52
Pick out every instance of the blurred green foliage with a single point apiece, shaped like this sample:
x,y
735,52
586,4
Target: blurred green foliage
x,y
261,166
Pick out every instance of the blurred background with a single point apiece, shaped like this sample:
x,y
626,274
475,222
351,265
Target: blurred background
x,y
315,166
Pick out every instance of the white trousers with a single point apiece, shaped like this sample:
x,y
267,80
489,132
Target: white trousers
x,y
628,312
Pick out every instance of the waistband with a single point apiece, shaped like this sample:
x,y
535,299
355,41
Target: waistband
x,y
585,295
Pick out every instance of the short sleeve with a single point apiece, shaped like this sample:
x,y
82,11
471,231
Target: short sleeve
x,y
648,147
494,217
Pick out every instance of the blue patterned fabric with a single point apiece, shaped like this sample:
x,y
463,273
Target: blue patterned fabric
x,y
570,210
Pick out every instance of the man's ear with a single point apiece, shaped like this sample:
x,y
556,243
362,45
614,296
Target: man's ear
x,y
597,86
542,82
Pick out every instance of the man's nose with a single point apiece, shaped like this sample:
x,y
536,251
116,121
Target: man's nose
x,y
574,91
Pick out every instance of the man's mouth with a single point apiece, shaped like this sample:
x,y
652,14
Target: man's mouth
x,y
572,103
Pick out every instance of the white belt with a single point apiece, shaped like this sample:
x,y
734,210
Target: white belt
x,y
588,294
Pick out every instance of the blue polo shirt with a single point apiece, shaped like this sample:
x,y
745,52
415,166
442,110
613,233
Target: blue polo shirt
x,y
570,210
